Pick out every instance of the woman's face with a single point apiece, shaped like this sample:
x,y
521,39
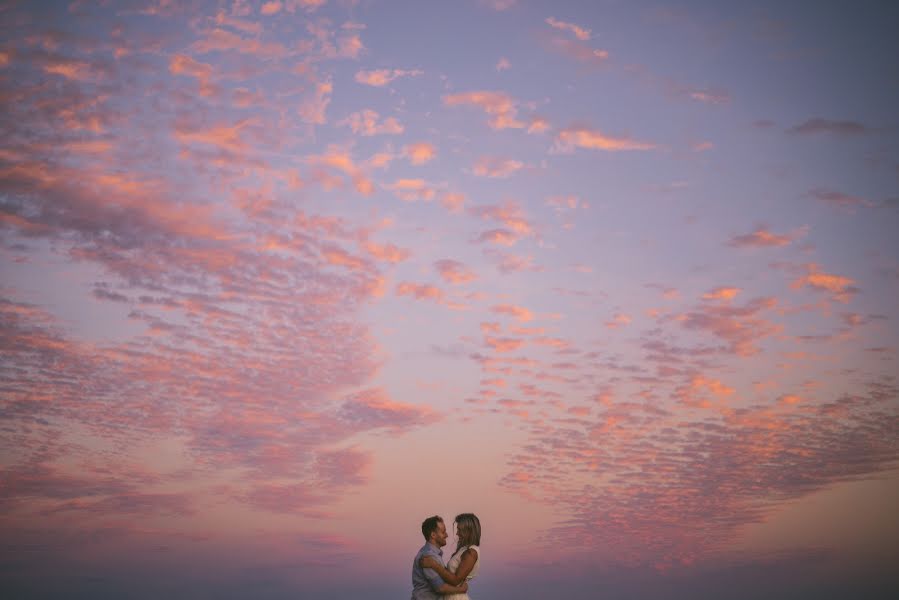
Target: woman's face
x,y
459,531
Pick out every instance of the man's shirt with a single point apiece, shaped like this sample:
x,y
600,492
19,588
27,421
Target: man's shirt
x,y
426,582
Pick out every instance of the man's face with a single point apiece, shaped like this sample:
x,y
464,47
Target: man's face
x,y
439,535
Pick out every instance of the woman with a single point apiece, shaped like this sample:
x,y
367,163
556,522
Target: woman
x,y
463,565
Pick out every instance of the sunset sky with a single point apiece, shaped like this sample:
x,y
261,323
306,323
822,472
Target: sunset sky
x,y
281,279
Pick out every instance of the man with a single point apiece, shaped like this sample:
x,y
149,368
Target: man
x,y
426,583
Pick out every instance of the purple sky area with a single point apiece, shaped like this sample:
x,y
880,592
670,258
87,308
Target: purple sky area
x,y
281,279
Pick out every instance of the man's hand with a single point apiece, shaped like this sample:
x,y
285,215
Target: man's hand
x,y
464,587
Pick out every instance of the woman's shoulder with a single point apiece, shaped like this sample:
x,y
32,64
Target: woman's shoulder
x,y
475,548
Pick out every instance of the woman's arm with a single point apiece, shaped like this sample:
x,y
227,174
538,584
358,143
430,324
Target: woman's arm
x,y
453,589
469,558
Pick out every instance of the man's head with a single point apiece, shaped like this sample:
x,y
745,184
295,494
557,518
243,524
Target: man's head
x,y
434,531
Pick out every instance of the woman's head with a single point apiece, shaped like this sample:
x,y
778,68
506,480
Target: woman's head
x,y
468,529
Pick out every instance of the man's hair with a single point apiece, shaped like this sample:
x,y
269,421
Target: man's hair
x,y
429,525
469,529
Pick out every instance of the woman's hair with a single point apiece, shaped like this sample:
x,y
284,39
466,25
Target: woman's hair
x,y
468,528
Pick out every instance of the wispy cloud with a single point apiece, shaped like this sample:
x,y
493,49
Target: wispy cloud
x,y
381,77
580,136
839,128
368,122
761,237
492,166
501,107
580,33
420,153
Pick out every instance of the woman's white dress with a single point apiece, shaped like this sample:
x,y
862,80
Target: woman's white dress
x,y
453,564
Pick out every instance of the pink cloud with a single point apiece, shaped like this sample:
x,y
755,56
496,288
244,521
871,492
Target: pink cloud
x,y
498,5
386,252
420,153
420,291
503,344
742,327
722,293
313,108
509,214
489,166
760,238
453,201
501,107
584,137
838,199
576,50
220,40
503,237
503,64
270,8
452,271
619,320
340,160
840,288
381,77
411,190
517,312
376,409
367,123
538,124
579,32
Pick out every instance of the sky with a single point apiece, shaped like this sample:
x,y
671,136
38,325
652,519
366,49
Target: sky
x,y
282,279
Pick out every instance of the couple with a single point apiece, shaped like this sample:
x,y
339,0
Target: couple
x,y
430,579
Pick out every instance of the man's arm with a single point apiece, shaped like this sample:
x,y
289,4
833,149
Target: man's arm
x,y
469,557
440,586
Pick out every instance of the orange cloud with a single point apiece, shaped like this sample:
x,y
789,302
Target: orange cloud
x,y
760,238
221,136
579,32
411,190
537,124
722,293
562,203
619,320
453,201
220,40
487,166
498,236
452,271
270,8
340,257
583,137
740,326
419,291
518,312
509,213
70,69
339,159
503,344
386,252
313,108
841,288
366,123
500,106
420,153
381,77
